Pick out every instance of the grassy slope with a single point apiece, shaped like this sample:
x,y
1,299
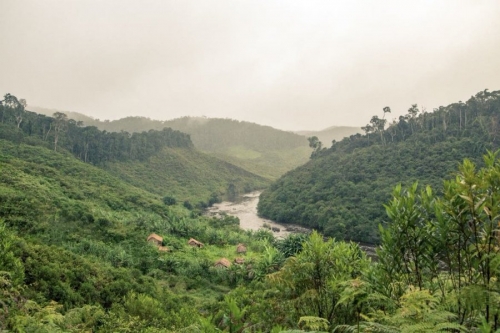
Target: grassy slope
x,y
269,164
57,203
39,186
263,150
186,174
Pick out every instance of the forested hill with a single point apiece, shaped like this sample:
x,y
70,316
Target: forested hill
x,y
341,191
163,161
87,143
212,134
262,150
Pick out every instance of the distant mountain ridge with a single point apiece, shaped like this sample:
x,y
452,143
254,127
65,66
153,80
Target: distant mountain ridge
x,y
327,135
262,150
163,161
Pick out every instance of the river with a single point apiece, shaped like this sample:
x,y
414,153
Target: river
x,y
246,210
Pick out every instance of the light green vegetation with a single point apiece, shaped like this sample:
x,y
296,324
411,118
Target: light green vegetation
x,y
78,238
241,153
187,174
268,164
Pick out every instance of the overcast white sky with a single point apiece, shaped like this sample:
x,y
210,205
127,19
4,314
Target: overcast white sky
x,y
294,65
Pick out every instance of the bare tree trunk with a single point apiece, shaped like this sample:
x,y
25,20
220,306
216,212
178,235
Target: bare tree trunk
x,y
85,151
47,135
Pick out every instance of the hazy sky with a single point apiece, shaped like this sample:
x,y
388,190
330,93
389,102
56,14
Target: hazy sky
x,y
290,64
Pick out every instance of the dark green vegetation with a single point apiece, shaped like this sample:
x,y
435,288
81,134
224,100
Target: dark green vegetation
x,y
262,150
342,189
329,134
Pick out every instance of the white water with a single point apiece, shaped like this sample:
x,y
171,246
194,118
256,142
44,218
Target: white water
x,y
246,211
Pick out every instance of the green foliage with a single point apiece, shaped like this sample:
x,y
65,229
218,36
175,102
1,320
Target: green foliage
x,y
86,143
169,201
74,256
447,246
313,323
154,160
9,263
76,235
292,244
341,190
312,280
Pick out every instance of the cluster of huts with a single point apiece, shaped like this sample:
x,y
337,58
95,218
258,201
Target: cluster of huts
x,y
225,263
222,263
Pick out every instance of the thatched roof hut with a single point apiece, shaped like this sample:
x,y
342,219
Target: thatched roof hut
x,y
154,238
241,248
223,263
193,242
239,261
163,249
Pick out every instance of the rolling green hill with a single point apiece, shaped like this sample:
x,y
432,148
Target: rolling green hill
x,y
341,191
262,150
160,161
74,244
73,250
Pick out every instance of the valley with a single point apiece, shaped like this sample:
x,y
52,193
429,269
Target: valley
x,y
405,217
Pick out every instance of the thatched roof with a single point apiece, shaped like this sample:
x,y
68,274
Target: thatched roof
x,y
239,261
163,249
241,248
155,237
194,242
223,262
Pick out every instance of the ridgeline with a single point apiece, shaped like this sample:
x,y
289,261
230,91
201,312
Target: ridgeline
x,y
262,150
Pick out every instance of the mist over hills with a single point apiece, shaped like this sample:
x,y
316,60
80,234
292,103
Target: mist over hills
x,y
327,135
160,161
263,150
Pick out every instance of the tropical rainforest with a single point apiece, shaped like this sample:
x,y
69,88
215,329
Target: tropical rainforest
x,y
342,189
75,216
